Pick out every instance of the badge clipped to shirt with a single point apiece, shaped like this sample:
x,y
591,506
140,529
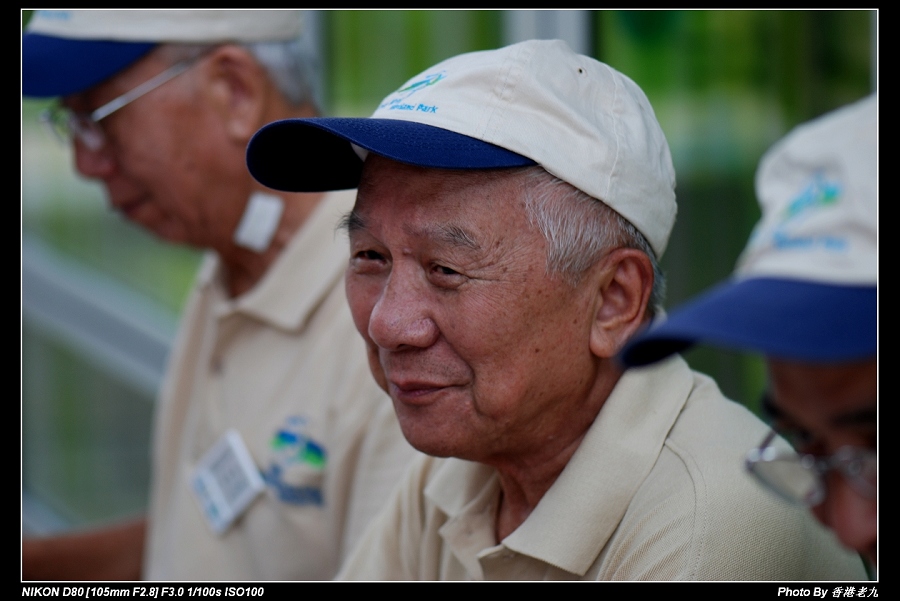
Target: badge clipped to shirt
x,y
259,221
225,481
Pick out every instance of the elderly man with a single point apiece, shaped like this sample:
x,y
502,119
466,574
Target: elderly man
x,y
273,448
806,295
493,289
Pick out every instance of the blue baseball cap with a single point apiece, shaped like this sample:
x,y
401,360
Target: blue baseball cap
x,y
789,319
53,66
330,161
68,51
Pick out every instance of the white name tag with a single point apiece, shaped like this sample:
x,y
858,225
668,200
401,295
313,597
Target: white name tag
x,y
259,222
225,481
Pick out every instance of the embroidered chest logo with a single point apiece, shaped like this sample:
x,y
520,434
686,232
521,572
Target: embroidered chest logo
x,y
297,462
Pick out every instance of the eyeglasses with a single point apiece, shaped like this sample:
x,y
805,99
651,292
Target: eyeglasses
x,y
67,125
800,478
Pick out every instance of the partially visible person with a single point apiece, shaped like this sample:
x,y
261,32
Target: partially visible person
x,y
805,294
512,205
273,447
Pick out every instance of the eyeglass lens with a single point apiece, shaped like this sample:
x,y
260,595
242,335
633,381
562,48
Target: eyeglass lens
x,y
801,478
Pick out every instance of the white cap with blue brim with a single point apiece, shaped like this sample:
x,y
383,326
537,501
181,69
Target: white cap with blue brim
x,y
806,285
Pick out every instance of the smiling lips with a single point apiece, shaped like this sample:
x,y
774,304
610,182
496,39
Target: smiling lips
x,y
415,392
415,377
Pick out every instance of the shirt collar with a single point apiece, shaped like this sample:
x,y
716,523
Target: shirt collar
x,y
301,276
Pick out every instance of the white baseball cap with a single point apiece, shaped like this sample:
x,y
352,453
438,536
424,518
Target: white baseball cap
x,y
805,287
536,102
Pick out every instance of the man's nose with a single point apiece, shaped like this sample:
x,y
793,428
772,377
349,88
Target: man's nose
x,y
852,517
96,164
400,317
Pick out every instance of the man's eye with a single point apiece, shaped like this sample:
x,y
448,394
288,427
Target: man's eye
x,y
445,277
369,255
367,262
442,270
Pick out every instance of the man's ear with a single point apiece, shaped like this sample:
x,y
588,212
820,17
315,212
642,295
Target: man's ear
x,y
624,280
237,86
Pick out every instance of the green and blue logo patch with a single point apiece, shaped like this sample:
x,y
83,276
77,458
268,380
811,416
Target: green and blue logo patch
x,y
294,452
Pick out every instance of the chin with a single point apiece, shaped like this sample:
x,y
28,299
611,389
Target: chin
x,y
437,439
427,439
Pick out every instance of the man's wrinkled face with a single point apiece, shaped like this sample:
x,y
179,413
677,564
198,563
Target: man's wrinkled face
x,y
162,163
483,353
822,408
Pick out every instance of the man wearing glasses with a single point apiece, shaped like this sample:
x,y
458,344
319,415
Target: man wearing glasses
x,y
806,295
273,447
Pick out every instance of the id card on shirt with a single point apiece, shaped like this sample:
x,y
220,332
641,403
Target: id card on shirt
x,y
225,481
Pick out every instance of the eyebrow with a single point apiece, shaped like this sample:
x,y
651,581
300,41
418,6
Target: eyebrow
x,y
455,235
861,417
351,222
450,234
446,233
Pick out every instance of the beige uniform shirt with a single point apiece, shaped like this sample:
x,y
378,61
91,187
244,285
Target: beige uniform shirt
x,y
656,491
285,366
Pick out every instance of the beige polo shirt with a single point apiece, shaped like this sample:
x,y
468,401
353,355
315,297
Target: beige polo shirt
x,y
656,491
285,366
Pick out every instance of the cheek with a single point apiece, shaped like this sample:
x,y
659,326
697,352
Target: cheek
x,y
854,519
534,351
156,179
525,327
361,296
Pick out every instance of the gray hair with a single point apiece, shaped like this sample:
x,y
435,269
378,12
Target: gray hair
x,y
294,68
292,65
579,229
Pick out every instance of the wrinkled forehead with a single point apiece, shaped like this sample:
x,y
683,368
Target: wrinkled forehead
x,y
470,190
380,171
473,201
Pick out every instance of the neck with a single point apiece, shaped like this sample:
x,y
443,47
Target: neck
x,y
522,486
526,477
244,268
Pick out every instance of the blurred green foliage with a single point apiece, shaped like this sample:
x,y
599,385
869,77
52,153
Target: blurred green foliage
x,y
371,53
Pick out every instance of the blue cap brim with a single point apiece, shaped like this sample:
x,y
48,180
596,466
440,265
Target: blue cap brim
x,y
54,66
788,319
314,155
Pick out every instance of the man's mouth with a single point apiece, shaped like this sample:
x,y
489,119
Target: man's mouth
x,y
417,378
415,392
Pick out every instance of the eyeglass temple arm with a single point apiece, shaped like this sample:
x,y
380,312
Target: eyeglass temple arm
x,y
150,84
